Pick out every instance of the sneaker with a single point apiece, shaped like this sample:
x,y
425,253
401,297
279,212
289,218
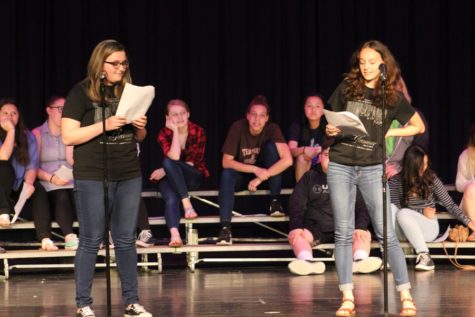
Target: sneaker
x,y
136,310
306,267
275,209
424,262
2,250
145,239
71,242
225,237
85,312
367,265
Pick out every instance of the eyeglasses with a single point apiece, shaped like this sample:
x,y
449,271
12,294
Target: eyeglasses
x,y
117,64
59,108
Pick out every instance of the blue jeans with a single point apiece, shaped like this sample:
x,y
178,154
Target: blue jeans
x,y
180,177
232,181
124,199
343,181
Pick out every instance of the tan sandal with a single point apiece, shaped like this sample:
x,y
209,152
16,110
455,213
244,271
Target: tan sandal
x,y
345,312
5,220
48,245
408,311
190,213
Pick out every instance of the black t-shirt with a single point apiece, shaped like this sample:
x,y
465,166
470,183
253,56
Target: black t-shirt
x,y
364,151
122,160
296,133
244,146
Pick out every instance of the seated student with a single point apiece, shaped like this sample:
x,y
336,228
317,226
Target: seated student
x,y
145,238
184,168
465,181
254,151
53,154
414,193
305,137
18,165
311,223
397,146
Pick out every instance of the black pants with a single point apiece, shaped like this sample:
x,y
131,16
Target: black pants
x,y
7,176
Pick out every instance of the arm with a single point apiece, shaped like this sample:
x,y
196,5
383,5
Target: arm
x,y
6,149
73,134
282,164
395,190
464,176
445,200
414,126
175,149
139,128
69,155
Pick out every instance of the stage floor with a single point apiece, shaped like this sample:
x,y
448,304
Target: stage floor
x,y
240,291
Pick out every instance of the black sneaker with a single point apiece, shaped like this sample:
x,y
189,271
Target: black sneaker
x,y
145,239
225,237
275,209
136,310
424,262
85,311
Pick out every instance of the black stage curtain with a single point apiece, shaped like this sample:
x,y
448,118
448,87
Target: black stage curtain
x,y
218,54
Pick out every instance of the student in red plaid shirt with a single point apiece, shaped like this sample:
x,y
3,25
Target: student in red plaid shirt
x,y
183,143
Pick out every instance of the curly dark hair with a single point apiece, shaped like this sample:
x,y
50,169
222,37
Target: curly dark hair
x,y
21,141
355,84
415,184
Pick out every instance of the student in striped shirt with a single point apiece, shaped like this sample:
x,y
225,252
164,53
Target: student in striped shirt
x,y
414,194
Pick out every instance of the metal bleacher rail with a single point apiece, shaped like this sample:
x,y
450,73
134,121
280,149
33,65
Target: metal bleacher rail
x,y
192,248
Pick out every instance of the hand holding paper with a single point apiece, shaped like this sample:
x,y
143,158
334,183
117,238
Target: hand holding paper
x,y
135,101
346,121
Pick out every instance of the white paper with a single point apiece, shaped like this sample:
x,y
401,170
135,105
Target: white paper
x,y
346,121
135,101
20,203
65,173
444,236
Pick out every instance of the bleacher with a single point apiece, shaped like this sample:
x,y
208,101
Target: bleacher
x,y
274,249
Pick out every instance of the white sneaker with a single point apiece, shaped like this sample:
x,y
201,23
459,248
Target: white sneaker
x,y
368,265
306,267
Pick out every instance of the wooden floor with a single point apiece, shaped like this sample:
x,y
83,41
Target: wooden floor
x,y
240,291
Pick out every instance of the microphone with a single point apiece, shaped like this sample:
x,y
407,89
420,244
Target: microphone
x,y
383,72
102,87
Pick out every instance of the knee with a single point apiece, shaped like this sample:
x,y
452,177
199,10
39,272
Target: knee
x,y
168,163
469,191
300,234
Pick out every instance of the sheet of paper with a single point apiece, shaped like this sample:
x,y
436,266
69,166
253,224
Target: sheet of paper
x,y
444,236
20,203
135,101
65,173
346,121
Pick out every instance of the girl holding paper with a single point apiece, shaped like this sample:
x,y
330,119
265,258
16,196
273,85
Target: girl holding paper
x,y
356,162
18,165
54,157
81,125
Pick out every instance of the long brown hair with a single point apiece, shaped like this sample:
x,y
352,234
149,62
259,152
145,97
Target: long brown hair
x,y
21,141
355,88
413,182
95,69
471,148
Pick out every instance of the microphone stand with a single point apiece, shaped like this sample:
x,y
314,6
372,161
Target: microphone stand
x,y
106,198
384,182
